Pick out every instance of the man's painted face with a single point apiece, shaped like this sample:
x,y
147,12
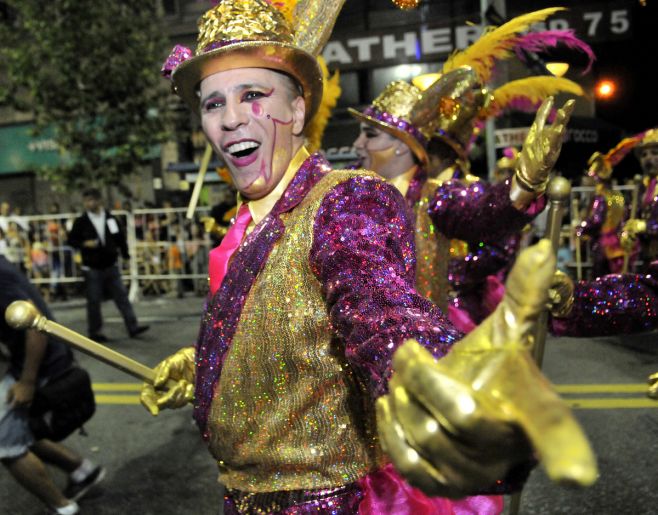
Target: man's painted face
x,y
376,151
649,159
250,118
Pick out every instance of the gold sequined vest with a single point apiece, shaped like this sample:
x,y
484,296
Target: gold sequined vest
x,y
288,412
432,252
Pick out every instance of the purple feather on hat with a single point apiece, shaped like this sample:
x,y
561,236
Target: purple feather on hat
x,y
540,41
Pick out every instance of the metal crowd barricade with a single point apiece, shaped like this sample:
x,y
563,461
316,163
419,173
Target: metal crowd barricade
x,y
168,252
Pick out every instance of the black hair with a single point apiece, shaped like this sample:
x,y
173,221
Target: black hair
x,y
92,192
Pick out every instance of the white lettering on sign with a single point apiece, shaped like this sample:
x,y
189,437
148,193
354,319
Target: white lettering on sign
x,y
515,137
408,44
335,52
43,145
364,47
427,42
435,41
467,35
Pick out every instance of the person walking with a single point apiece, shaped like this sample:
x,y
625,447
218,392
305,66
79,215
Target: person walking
x,y
99,237
34,359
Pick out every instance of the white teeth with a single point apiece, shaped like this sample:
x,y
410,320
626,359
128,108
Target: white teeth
x,y
239,147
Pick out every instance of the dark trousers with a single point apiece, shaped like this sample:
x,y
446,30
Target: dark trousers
x,y
106,279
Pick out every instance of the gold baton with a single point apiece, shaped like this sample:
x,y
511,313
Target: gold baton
x,y
558,191
23,315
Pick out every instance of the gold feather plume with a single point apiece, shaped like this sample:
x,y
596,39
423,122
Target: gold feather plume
x,y
495,44
330,94
529,92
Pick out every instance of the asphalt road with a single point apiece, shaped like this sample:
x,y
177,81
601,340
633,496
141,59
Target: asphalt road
x,y
159,465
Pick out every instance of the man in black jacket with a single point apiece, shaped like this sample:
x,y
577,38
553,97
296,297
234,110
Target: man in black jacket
x,y
100,238
34,359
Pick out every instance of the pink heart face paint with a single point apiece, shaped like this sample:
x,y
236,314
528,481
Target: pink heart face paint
x,y
247,116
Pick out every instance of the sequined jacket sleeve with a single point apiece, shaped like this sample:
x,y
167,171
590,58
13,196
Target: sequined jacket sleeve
x,y
479,212
363,255
591,226
611,305
482,260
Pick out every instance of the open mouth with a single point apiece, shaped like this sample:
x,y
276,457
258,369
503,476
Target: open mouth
x,y
242,149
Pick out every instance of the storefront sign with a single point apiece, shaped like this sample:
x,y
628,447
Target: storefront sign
x,y
434,42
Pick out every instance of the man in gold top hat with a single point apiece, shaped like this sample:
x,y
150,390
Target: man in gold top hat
x,y
399,129
293,377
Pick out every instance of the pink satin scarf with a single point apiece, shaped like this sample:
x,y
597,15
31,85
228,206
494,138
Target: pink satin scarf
x,y
220,256
384,491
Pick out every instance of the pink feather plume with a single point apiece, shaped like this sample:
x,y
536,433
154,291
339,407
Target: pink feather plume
x,y
540,41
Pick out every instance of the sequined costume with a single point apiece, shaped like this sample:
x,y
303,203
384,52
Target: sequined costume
x,y
649,213
612,304
444,209
297,342
602,225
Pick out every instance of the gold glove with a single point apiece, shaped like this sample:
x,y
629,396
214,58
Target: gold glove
x,y
211,226
455,426
653,386
629,233
178,367
540,151
560,294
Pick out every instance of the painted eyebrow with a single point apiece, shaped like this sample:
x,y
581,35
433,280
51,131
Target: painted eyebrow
x,y
239,87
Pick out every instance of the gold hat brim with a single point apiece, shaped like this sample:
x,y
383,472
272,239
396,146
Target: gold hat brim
x,y
281,57
415,145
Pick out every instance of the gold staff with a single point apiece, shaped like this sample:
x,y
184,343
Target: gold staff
x,y
575,213
23,315
558,192
637,180
194,199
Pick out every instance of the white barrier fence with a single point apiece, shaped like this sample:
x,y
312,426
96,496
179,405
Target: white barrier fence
x,y
168,252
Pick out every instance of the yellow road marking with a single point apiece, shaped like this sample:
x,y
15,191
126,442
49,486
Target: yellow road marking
x,y
576,403
116,387
117,399
600,388
611,403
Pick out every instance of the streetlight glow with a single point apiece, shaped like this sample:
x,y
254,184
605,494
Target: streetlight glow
x,y
605,89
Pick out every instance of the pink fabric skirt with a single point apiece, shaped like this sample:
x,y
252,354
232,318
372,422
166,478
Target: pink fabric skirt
x,y
384,491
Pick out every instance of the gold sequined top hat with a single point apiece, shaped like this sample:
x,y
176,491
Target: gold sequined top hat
x,y
255,34
415,116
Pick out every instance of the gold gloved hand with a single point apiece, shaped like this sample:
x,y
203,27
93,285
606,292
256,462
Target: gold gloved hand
x,y
211,226
455,426
539,153
179,368
653,386
560,294
632,228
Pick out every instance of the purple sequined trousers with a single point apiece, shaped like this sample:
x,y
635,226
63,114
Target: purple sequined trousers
x,y
343,500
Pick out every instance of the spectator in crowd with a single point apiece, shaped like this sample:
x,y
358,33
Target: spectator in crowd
x,y
4,216
100,238
34,359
